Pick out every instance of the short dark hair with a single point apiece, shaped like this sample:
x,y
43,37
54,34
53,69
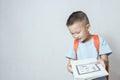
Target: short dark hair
x,y
77,16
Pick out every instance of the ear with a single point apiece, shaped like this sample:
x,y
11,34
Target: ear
x,y
88,26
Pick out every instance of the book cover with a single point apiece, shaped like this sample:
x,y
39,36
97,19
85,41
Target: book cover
x,y
87,69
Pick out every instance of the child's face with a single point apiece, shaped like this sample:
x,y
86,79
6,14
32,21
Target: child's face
x,y
79,31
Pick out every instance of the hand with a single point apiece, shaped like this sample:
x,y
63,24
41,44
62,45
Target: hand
x,y
69,67
102,62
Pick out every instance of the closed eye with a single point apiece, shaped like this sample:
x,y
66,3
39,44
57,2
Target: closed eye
x,y
75,33
71,33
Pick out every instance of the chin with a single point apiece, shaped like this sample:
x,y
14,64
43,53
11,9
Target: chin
x,y
80,39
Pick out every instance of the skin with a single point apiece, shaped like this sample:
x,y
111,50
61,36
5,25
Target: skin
x,y
80,31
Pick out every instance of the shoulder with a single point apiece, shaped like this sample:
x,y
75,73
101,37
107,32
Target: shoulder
x,y
102,40
98,38
104,46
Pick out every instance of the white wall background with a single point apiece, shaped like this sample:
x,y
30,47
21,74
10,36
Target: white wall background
x,y
34,39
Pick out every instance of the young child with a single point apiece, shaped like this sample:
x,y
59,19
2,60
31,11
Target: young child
x,y
78,25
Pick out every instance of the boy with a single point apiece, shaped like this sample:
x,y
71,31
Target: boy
x,y
78,25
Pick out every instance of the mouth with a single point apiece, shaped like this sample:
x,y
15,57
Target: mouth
x,y
79,38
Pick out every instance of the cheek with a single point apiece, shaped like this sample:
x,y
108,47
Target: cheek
x,y
82,35
84,32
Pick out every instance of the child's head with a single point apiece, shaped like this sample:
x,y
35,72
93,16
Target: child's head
x,y
78,25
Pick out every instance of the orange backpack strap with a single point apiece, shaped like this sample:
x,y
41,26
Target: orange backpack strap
x,y
76,43
96,42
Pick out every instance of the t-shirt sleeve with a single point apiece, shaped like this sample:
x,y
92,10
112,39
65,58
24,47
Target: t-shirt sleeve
x,y
71,53
104,47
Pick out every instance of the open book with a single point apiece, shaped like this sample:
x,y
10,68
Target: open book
x,y
87,69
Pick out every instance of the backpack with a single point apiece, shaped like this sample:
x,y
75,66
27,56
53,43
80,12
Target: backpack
x,y
97,46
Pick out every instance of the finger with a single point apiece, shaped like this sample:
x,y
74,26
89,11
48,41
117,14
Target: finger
x,y
98,62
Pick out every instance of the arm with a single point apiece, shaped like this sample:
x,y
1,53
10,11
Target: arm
x,y
104,57
104,51
103,60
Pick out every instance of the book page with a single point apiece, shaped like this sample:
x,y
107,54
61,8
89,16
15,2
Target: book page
x,y
87,68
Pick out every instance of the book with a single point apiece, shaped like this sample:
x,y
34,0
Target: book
x,y
87,69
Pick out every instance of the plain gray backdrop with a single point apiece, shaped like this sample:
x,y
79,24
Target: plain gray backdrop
x,y
34,39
